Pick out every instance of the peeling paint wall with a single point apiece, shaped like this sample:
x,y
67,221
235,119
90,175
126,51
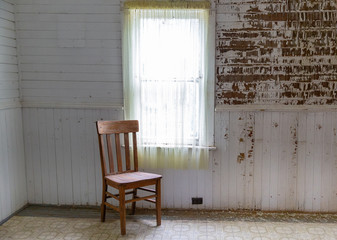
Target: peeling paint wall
x,y
276,52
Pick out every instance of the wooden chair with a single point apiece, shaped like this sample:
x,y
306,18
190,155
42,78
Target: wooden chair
x,y
124,177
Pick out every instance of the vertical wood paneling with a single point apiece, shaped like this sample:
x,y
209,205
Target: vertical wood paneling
x,y
66,156
169,186
57,122
194,189
28,157
13,194
249,160
61,157
47,167
333,169
317,160
239,161
274,160
224,149
258,158
75,163
327,161
282,179
89,133
37,166
309,162
301,169
264,160
185,196
290,143
220,161
178,175
5,188
233,155
98,171
49,118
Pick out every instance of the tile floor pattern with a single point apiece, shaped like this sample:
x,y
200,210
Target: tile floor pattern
x,y
172,228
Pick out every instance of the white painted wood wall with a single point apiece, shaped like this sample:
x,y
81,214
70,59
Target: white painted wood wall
x,y
70,64
264,160
275,160
9,85
70,52
13,189
13,193
62,160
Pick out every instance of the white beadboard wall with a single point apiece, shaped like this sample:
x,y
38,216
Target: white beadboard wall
x,y
13,193
273,160
264,160
13,189
63,165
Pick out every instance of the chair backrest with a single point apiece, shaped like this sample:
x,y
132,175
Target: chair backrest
x,y
117,129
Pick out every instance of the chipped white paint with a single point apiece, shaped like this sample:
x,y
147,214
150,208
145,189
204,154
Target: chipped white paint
x,y
264,160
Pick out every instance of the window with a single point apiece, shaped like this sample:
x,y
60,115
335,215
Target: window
x,y
166,74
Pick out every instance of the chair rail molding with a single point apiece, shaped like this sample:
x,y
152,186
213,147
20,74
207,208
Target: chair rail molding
x,y
72,105
9,104
275,107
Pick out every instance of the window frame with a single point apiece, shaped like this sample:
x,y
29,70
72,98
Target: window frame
x,y
209,87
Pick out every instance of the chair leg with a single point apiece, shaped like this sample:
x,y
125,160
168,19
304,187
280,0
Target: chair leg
x,y
133,209
122,214
158,202
103,206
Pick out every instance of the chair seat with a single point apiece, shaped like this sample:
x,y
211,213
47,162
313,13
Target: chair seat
x,y
132,177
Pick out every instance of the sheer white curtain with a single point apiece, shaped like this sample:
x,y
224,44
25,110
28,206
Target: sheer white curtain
x,y
165,74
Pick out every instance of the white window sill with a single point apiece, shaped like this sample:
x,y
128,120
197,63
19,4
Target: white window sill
x,y
210,148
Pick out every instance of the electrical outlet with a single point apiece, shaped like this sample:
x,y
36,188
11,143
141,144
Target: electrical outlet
x,y
197,200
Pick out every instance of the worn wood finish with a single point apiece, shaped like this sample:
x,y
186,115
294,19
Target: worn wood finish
x,y
135,153
288,157
158,202
111,162
108,127
293,179
127,151
124,177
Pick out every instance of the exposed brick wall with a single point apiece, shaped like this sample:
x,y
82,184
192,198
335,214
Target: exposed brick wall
x,y
276,52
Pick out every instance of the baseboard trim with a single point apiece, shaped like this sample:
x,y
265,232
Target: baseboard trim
x,y
13,214
276,108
